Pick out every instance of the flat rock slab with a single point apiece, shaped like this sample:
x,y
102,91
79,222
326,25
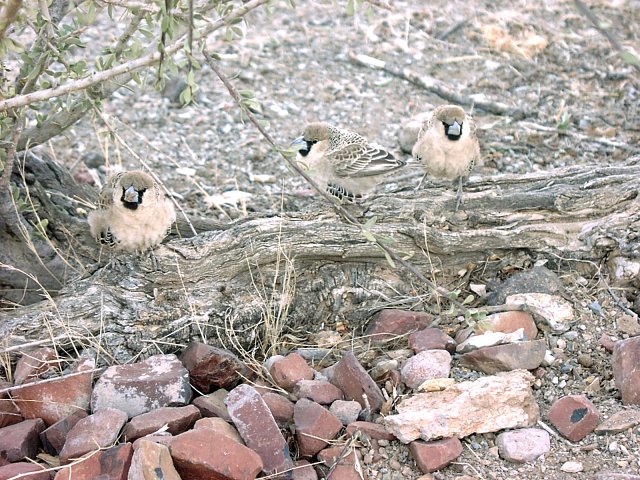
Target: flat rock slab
x,y
485,405
159,381
502,358
176,419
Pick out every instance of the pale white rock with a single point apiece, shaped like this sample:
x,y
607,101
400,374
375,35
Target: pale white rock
x,y
624,270
555,311
523,445
572,467
436,384
490,339
489,404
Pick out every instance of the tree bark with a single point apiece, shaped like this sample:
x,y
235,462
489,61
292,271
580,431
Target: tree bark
x,y
231,284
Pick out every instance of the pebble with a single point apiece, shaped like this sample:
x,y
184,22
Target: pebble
x,y
572,467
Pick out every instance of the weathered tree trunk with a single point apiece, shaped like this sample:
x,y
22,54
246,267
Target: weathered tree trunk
x,y
231,284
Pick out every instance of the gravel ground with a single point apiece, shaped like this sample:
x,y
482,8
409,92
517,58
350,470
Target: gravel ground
x,y
297,63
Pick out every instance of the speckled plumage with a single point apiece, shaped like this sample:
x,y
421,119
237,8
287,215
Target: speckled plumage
x,y
343,161
447,145
133,214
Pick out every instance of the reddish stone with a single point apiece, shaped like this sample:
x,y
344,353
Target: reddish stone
x,y
626,369
203,455
110,464
574,416
280,407
372,430
607,342
34,363
152,461
431,339
503,358
426,365
96,431
258,429
158,381
288,371
220,427
391,323
211,368
344,463
20,440
320,391
176,419
315,427
9,413
53,438
303,470
212,404
21,469
54,399
508,322
432,456
159,438
354,381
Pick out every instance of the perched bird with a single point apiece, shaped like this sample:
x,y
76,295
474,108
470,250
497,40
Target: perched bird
x,y
343,162
447,145
133,214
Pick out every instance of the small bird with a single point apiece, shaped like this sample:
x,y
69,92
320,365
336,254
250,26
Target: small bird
x,y
133,214
343,162
447,146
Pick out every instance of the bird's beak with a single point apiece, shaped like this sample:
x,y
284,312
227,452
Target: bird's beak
x,y
299,143
454,129
131,195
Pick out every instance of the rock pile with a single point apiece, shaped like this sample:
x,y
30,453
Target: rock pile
x,y
207,415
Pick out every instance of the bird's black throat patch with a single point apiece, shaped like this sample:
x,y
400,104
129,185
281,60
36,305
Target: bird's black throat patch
x,y
305,151
452,137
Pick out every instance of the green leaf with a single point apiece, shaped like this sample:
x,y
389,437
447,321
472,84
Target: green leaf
x,y
351,8
630,58
370,223
390,261
369,236
468,300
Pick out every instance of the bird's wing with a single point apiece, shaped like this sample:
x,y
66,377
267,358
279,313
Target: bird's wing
x,y
362,160
105,200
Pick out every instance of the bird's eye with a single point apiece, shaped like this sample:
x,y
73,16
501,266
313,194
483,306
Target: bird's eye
x,y
418,158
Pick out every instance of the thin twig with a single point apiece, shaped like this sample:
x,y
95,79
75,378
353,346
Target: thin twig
x,y
461,309
597,24
124,68
438,88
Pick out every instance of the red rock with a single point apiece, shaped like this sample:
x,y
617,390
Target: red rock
x,y
574,416
177,420
220,427
211,368
53,438
626,369
258,429
159,438
607,342
523,445
152,461
110,464
34,363
303,470
315,427
320,391
280,407
9,413
212,404
432,456
196,458
619,422
345,463
391,322
503,358
508,322
21,469
20,440
54,399
372,430
431,339
426,365
288,371
158,381
354,381
96,431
